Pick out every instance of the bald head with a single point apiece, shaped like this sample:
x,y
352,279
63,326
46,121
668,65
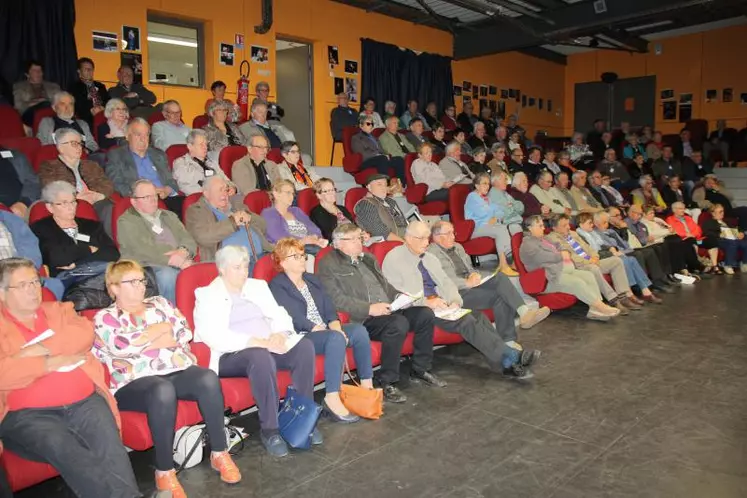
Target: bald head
x,y
417,237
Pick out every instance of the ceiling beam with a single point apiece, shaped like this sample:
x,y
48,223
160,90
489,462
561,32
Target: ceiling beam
x,y
399,11
545,54
624,40
447,25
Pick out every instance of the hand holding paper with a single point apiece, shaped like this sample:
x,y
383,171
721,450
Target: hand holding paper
x,y
403,301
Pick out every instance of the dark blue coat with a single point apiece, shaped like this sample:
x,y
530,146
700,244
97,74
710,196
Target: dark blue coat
x,y
289,297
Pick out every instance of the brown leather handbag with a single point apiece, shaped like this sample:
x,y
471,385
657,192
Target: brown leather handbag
x,y
366,403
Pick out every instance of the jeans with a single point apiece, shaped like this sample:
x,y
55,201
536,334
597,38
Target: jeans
x,y
392,329
260,366
730,248
157,397
501,296
80,440
82,272
636,275
331,344
166,280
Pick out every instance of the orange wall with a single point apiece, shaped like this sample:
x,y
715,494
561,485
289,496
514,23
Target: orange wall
x,y
687,64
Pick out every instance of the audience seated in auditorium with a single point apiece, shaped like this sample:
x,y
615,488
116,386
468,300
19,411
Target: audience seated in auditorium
x,y
285,220
548,162
274,111
424,170
430,115
412,112
357,287
617,172
369,110
480,136
587,259
449,118
342,116
720,139
219,220
696,166
137,160
654,148
580,153
374,156
466,119
717,234
33,93
56,406
562,276
390,109
497,163
673,192
64,106
648,195
154,237
254,171
144,342
112,132
391,142
139,100
534,162
314,315
220,131
602,196
712,191
171,130
292,168
437,139
477,165
460,137
687,229
564,195
246,330
19,185
90,95
564,161
675,256
379,214
667,165
415,135
492,220
582,197
74,249
548,195
416,272
194,167
452,166
497,293
520,192
327,215
633,147
218,89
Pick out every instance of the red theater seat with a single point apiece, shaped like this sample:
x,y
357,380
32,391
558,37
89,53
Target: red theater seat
x,y
83,210
416,193
352,196
28,146
351,162
200,121
188,201
307,200
11,125
174,152
39,114
463,228
275,156
264,269
120,206
229,155
257,201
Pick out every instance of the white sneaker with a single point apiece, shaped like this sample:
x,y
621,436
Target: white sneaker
x,y
744,268
728,270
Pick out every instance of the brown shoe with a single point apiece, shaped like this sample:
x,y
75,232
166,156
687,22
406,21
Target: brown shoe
x,y
223,463
630,304
533,317
653,299
636,300
169,482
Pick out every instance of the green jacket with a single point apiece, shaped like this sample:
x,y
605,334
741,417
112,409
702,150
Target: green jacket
x,y
391,147
138,241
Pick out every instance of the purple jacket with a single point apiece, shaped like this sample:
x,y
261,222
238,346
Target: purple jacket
x,y
277,227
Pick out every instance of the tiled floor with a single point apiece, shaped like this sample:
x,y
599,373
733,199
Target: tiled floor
x,y
651,405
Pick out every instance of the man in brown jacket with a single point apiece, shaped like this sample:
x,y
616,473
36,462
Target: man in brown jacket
x,y
217,220
254,171
55,406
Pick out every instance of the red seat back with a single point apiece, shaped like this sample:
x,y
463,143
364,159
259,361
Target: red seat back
x,y
200,121
175,151
275,156
155,118
5,208
43,154
322,254
264,269
257,201
381,249
352,196
307,200
11,125
457,199
347,136
98,120
378,131
516,240
189,279
229,155
409,159
39,114
28,146
120,206
188,201
83,210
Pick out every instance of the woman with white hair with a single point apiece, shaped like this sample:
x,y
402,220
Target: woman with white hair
x,y
220,131
579,151
648,195
112,132
633,147
250,335
520,192
194,167
63,105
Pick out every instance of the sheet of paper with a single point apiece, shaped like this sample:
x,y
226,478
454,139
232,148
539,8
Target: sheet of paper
x,y
70,368
451,314
39,338
404,301
292,340
488,277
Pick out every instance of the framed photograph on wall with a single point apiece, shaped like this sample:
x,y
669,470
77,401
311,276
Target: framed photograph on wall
x,y
104,41
130,39
226,54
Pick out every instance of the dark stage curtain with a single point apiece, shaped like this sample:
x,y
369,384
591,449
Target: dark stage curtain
x,y
42,30
390,73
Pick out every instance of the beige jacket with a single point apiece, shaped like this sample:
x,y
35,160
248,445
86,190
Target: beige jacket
x,y
245,175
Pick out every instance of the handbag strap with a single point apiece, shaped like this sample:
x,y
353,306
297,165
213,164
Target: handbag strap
x,y
347,369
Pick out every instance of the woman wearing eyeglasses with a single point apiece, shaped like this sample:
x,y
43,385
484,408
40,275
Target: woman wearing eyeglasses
x,y
327,215
293,169
112,132
314,315
367,145
144,342
220,131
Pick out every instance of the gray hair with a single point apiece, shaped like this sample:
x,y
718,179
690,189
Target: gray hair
x,y
52,190
110,105
678,204
262,84
60,134
194,134
207,182
601,216
497,176
480,177
342,230
564,154
230,255
577,134
217,104
141,181
453,145
391,118
477,125
10,265
415,228
57,96
170,102
497,145
136,121
362,118
578,174
258,103
533,220
518,177
644,179
542,174
439,226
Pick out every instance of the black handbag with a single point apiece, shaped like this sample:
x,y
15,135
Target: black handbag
x,y
91,294
297,419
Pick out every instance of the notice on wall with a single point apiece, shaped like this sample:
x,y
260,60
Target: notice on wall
x,y
339,86
711,96
727,95
226,54
351,89
238,41
351,67
333,55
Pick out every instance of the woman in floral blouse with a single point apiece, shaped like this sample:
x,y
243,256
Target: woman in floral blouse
x,y
145,345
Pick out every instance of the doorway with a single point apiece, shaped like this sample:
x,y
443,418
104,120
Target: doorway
x,y
295,91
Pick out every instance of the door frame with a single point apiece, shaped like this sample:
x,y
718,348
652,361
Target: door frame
x,y
310,53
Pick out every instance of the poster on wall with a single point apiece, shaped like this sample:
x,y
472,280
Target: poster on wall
x,y
466,99
532,101
686,112
351,67
540,104
475,91
727,95
743,98
501,111
711,96
483,90
226,54
333,55
135,61
511,93
466,86
549,105
238,41
351,89
104,41
457,90
131,38
260,55
504,93
686,98
518,96
492,90
339,86
523,100
669,110
667,94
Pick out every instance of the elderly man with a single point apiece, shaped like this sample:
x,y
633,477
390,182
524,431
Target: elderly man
x,y
139,99
139,161
193,168
378,214
517,164
155,238
357,287
90,95
274,111
411,113
454,169
582,197
711,192
480,137
342,116
501,136
171,130
365,144
512,123
414,271
19,185
667,165
548,195
497,293
56,404
258,125
254,171
587,259
613,168
562,184
217,220
415,135
534,161
392,142
603,197
64,107
467,119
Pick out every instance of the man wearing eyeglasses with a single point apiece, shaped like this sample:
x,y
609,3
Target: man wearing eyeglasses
x,y
170,131
342,116
64,107
254,171
366,144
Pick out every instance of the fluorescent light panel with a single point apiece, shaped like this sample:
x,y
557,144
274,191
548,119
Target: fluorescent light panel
x,y
172,41
647,26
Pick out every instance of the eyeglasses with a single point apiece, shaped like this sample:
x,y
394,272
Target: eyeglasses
x,y
73,143
360,238
265,147
122,109
421,237
135,282
328,191
447,234
65,204
294,151
146,197
26,286
297,257
368,123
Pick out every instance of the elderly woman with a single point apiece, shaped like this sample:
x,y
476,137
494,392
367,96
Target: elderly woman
x,y
654,147
520,192
437,140
365,144
369,110
549,162
285,220
33,93
492,220
218,89
191,169
88,178
562,276
327,215
293,169
63,105
719,235
513,210
424,170
689,231
460,137
479,155
498,162
564,161
633,147
74,249
449,118
514,141
144,342
249,335
221,132
580,152
314,316
113,132
647,195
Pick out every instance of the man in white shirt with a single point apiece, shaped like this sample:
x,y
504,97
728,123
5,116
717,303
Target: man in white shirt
x,y
172,130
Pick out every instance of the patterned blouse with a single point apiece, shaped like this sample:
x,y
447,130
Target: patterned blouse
x,y
120,343
297,229
312,312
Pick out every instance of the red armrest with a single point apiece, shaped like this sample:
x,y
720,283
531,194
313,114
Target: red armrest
x,y
352,163
344,317
463,230
534,282
416,194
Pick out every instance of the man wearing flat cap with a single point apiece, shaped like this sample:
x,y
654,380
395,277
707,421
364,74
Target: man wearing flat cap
x,y
378,214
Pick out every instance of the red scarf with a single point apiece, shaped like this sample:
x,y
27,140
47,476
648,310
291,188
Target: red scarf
x,y
300,174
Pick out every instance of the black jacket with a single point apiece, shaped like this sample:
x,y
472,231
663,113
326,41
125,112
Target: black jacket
x,y
670,197
83,105
289,297
58,249
326,221
339,118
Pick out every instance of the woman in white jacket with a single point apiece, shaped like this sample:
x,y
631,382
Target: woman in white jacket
x,y
248,335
